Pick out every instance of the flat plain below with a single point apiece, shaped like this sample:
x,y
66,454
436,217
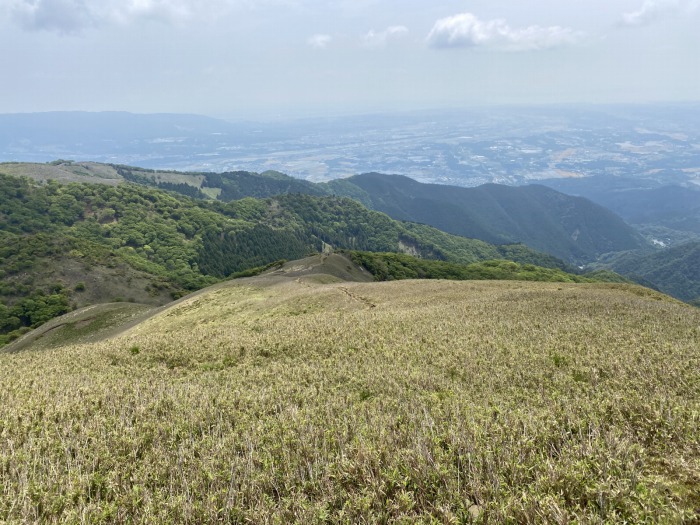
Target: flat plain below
x,y
308,399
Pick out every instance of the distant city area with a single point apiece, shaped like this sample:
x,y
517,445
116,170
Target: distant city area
x,y
471,148
656,143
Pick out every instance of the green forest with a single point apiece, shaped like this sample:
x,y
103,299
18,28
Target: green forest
x,y
397,266
675,271
64,246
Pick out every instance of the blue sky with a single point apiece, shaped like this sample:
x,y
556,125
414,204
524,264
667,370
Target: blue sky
x,y
290,58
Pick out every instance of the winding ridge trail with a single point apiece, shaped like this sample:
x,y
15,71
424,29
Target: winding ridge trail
x,y
356,297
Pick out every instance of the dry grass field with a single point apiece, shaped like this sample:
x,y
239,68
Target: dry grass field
x,y
305,399
94,172
64,172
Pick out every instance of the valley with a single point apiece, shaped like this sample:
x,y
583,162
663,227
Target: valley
x,y
510,145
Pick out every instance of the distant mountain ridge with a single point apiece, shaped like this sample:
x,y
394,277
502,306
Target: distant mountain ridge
x,y
675,271
667,213
571,228
46,136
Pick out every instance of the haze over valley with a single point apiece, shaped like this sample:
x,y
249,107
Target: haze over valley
x,y
656,144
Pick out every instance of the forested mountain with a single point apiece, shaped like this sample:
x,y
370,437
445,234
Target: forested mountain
x,y
574,229
666,213
68,245
675,271
240,184
571,228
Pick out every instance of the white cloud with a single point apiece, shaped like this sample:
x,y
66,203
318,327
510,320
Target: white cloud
x,y
319,41
378,39
167,10
653,10
466,30
73,16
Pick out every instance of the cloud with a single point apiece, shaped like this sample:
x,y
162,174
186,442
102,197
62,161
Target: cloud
x,y
74,16
653,10
379,39
466,30
319,41
164,10
63,16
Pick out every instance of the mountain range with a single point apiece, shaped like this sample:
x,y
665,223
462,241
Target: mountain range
x,y
665,213
570,228
67,244
64,246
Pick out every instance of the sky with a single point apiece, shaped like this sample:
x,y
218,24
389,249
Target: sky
x,y
266,59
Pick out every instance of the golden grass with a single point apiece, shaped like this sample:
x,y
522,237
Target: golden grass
x,y
291,401
68,172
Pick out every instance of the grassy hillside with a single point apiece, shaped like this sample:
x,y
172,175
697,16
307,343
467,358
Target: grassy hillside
x,y
222,186
98,321
64,171
299,398
64,246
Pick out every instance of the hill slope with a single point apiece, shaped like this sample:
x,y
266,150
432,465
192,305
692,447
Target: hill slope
x,y
674,271
670,214
573,229
101,321
304,398
98,321
64,246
